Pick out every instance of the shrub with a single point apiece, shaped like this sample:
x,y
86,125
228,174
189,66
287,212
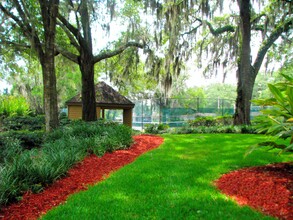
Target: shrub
x,y
150,128
9,149
215,129
63,119
27,139
31,123
23,170
277,120
209,121
156,128
9,189
12,105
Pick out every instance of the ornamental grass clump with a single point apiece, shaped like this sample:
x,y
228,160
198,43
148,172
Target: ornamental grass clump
x,y
24,169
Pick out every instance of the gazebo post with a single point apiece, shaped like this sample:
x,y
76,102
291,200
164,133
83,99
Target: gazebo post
x,y
98,112
127,117
103,113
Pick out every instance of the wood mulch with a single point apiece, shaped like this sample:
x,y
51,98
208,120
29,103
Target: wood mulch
x,y
268,189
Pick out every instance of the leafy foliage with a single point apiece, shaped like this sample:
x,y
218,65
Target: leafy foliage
x,y
27,139
156,128
211,121
12,105
23,170
278,118
244,129
27,122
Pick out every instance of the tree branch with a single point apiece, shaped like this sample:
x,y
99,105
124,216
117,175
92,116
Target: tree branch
x,y
192,30
218,31
70,36
258,28
69,26
13,17
17,45
75,32
287,25
67,54
109,54
215,32
257,18
26,28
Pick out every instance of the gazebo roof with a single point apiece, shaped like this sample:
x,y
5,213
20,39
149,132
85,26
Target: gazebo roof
x,y
106,96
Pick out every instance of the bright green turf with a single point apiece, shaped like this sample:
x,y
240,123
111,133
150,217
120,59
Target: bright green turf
x,y
174,181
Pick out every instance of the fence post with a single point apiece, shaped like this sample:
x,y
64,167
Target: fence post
x,y
160,110
222,101
141,114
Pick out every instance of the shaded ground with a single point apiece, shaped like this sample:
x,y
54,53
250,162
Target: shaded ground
x,y
268,189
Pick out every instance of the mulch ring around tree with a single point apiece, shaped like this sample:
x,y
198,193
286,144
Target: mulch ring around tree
x,y
268,189
90,171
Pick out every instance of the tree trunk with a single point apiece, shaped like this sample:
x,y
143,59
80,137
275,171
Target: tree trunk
x,y
47,58
246,75
89,112
50,93
244,94
86,65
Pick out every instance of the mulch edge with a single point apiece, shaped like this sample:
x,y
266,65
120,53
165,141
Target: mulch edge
x,y
273,182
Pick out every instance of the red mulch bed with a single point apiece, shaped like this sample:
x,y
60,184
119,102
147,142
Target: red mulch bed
x,y
268,189
90,171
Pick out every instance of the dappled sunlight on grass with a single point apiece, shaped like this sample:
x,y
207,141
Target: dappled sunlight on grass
x,y
174,181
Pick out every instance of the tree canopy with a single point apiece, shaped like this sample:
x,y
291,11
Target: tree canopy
x,y
154,42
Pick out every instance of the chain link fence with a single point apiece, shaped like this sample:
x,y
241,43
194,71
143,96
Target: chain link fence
x,y
176,112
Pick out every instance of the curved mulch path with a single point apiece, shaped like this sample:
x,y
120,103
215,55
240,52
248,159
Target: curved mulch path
x,y
268,189
91,170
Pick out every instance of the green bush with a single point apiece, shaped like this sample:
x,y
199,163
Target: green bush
x,y
27,139
215,129
12,105
23,170
277,119
156,128
63,119
209,121
9,149
31,123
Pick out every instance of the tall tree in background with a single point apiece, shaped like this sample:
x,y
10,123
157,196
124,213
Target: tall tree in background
x,y
19,13
193,25
80,37
245,79
281,22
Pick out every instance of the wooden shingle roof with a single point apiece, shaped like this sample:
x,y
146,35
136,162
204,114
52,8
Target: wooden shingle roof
x,y
105,96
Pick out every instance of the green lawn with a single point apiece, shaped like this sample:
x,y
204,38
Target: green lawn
x,y
174,181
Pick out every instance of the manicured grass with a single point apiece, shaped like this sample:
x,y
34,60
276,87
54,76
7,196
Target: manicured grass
x,y
174,181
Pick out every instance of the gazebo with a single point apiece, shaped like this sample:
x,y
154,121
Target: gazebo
x,y
106,98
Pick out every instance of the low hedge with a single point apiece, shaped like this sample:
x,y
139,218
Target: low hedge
x,y
242,129
27,139
30,123
208,121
